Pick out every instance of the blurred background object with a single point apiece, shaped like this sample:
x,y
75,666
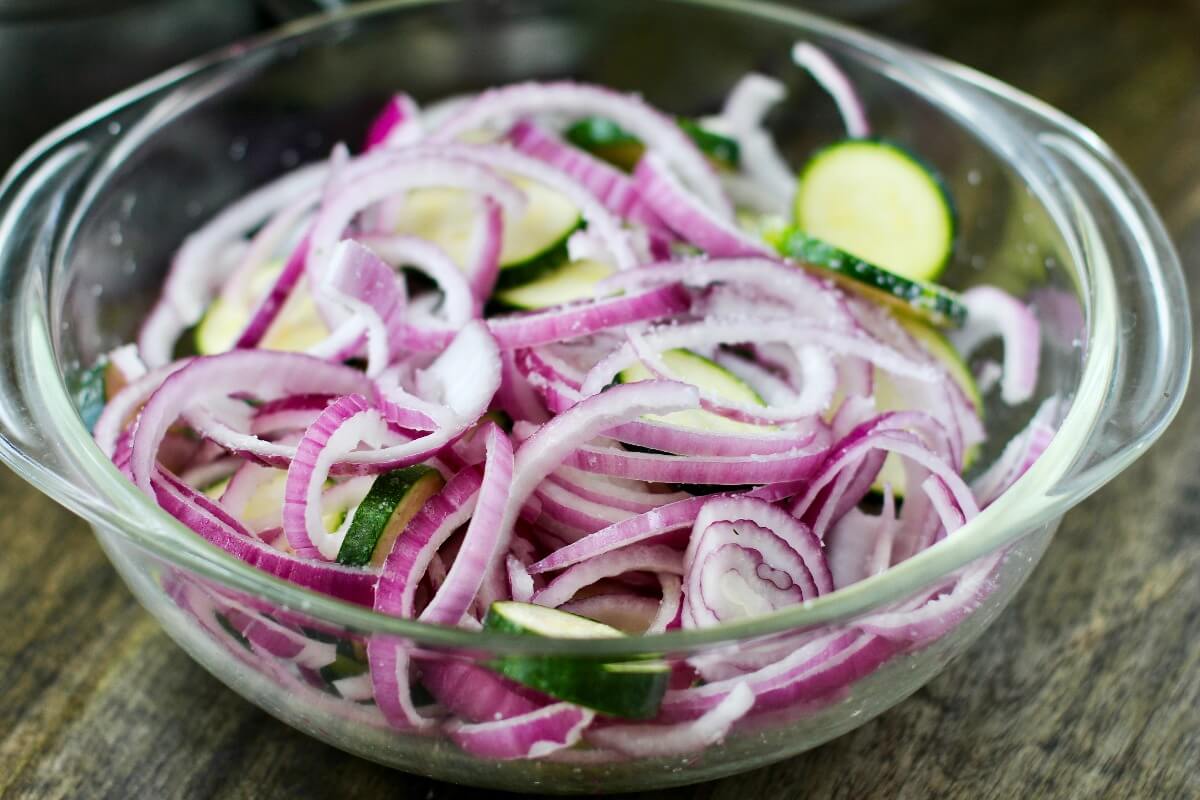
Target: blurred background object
x,y
58,57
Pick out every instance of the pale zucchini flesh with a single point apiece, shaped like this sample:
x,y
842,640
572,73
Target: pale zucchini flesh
x,y
877,201
708,376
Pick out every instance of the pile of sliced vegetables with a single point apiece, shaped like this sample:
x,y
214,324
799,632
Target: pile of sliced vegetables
x,y
549,362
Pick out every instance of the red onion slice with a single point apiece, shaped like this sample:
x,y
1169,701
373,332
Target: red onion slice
x,y
789,465
639,558
834,81
202,262
351,584
611,186
658,741
476,694
561,323
657,131
203,381
656,522
747,557
338,431
397,125
532,735
990,313
374,299
479,554
693,221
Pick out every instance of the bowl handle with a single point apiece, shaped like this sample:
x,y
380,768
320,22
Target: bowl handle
x,y
1143,287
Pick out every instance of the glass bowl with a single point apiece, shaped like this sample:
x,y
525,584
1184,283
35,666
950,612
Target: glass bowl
x,y
90,216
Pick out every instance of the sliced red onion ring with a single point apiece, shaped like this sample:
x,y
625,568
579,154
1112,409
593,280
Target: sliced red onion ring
x,y
391,683
799,291
881,434
354,585
516,396
416,546
480,553
941,614
204,380
616,493
658,741
122,407
672,604
458,302
397,125
789,465
656,522
691,219
565,506
294,412
834,81
199,266
860,544
279,640
719,331
611,186
535,734
487,241
476,694
338,431
364,286
816,669
657,131
464,378
564,322
269,308
766,180
543,452
520,582
384,173
601,223
630,613
747,557
638,558
990,313
1019,454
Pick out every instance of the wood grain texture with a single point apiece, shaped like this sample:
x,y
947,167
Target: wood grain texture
x,y
1087,686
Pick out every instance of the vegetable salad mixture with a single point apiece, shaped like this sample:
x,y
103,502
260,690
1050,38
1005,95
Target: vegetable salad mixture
x,y
548,361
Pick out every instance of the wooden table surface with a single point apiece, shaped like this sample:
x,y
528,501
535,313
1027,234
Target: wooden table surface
x,y
1087,686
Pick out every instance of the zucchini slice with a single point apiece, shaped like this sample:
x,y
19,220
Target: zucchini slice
x,y
393,500
876,200
298,327
708,376
568,283
447,217
632,689
933,303
887,398
607,140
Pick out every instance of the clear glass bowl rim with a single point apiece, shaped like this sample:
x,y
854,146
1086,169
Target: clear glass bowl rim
x,y
1020,510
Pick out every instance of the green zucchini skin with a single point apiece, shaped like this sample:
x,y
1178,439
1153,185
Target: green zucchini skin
x,y
935,304
394,498
631,689
607,140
